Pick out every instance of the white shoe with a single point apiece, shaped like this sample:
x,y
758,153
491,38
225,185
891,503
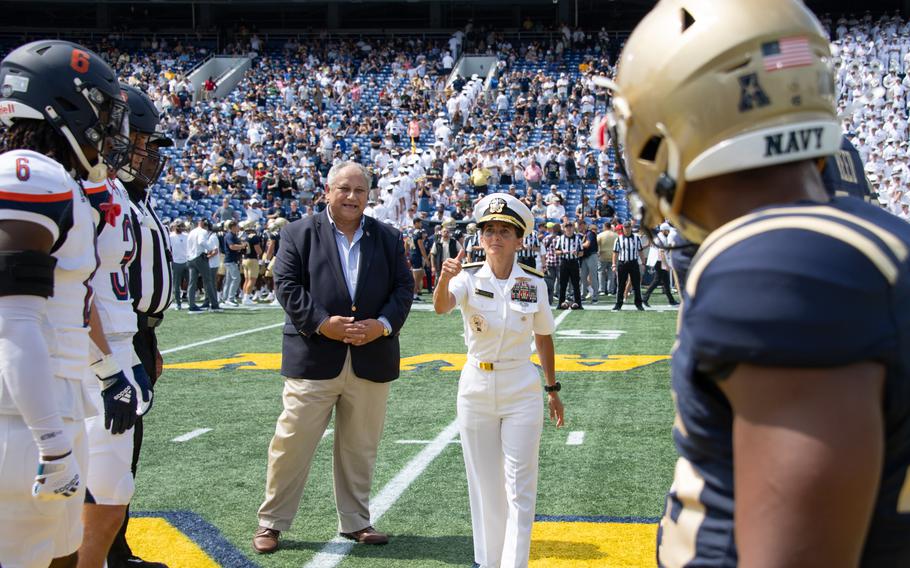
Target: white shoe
x,y
270,297
248,302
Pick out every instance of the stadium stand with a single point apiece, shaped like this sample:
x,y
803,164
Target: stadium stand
x,y
435,140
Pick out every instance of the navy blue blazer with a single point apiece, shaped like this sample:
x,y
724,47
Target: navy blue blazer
x,y
310,285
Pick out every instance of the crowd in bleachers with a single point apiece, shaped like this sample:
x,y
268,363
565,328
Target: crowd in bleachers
x,y
873,76
435,145
434,142
387,104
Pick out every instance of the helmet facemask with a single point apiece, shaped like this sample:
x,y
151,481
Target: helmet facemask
x,y
109,135
145,162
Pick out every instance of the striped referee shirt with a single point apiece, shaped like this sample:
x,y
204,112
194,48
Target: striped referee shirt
x,y
627,248
570,246
151,273
527,254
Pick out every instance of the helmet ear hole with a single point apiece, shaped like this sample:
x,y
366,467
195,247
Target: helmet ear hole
x,y
687,20
665,188
649,152
65,104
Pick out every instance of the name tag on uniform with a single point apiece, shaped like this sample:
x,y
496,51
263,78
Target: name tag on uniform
x,y
524,291
483,293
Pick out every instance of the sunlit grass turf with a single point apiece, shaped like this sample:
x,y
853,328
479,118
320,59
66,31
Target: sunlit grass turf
x,y
623,468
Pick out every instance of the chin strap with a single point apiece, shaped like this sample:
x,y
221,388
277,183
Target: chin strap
x,y
94,173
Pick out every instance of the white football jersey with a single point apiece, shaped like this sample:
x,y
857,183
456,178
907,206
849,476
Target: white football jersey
x,y
38,189
116,252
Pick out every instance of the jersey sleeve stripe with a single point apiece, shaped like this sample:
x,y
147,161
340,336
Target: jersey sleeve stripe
x,y
98,189
897,247
827,227
33,198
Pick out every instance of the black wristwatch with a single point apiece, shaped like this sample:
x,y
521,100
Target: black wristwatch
x,y
555,388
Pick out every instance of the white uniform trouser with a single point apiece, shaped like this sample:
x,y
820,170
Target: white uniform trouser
x,y
500,418
110,477
34,532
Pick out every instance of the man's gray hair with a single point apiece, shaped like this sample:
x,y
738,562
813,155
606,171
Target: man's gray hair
x,y
336,169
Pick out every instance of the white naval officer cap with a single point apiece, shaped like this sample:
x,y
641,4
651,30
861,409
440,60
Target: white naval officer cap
x,y
506,208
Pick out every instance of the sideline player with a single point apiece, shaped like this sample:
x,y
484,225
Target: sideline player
x,y
791,374
62,106
111,448
110,437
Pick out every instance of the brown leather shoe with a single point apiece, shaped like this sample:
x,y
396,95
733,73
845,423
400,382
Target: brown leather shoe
x,y
368,535
265,540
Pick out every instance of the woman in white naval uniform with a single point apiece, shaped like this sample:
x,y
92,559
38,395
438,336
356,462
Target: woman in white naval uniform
x,y
500,416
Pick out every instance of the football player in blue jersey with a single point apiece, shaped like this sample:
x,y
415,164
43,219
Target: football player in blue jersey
x,y
844,174
791,373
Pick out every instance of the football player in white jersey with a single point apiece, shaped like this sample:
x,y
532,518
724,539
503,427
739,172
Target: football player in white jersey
x,y
110,480
61,104
110,439
150,294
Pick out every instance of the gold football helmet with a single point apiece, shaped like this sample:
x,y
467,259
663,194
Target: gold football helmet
x,y
276,224
704,88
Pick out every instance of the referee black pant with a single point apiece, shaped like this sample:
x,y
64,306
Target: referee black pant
x,y
145,342
551,276
569,269
625,271
662,277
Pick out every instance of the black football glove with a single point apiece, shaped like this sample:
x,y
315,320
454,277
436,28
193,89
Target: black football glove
x,y
118,394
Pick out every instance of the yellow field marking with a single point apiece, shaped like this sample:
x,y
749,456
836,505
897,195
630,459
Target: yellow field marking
x,y
608,364
589,545
156,540
244,362
451,362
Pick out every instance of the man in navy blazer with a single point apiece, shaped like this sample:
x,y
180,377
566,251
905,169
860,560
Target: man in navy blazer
x,y
346,288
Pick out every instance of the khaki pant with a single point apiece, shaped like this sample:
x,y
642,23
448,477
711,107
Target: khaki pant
x,y
251,268
359,418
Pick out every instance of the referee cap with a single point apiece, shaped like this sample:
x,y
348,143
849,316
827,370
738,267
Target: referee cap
x,y
506,208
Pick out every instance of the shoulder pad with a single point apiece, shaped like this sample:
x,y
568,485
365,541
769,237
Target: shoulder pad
x,y
25,172
761,231
530,270
471,266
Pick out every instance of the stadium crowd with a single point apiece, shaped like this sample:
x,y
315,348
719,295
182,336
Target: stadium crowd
x,y
436,143
873,80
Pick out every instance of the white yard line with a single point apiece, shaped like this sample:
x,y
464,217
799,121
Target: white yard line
x,y
335,550
190,435
598,307
418,442
328,432
575,438
559,319
338,548
222,338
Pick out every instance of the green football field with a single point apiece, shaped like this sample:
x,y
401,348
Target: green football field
x,y
602,477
